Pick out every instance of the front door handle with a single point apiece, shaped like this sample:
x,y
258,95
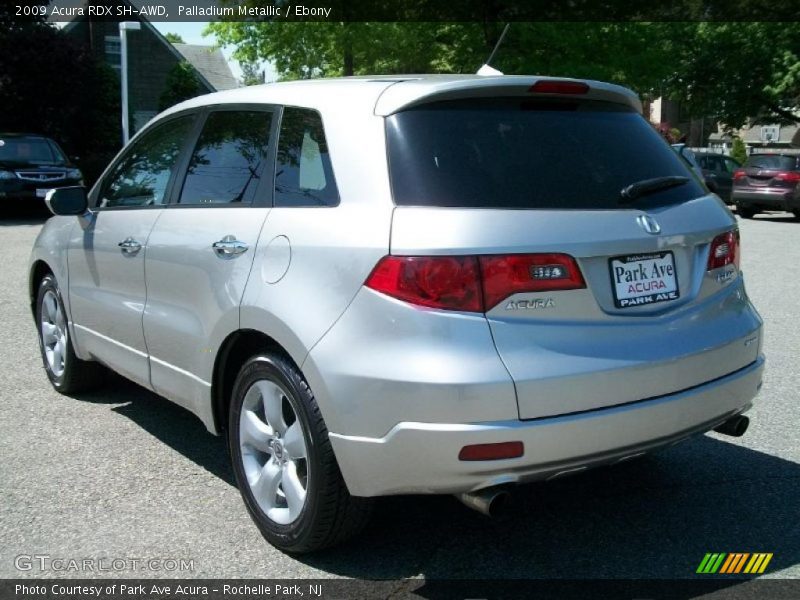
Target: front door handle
x,y
130,246
229,247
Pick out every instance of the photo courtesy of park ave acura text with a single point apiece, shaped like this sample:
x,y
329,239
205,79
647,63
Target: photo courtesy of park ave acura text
x,y
415,299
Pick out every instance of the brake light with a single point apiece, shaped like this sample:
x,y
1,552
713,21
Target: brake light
x,y
514,273
546,86
739,174
472,283
790,176
724,250
448,282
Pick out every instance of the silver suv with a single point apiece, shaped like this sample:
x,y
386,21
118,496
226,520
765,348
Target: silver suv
x,y
403,285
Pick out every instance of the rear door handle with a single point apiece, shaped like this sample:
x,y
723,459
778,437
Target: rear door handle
x,y
229,247
130,246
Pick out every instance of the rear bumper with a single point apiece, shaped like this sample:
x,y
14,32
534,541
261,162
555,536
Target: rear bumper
x,y
769,198
423,457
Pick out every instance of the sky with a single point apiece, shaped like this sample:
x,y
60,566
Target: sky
x,y
192,33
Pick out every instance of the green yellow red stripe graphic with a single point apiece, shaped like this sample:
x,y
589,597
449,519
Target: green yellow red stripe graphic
x,y
732,563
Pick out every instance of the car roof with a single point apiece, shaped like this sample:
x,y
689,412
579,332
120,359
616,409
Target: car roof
x,y
388,94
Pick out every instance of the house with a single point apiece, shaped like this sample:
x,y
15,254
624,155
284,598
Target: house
x,y
760,137
151,57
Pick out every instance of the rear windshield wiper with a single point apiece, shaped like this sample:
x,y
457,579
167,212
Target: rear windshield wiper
x,y
648,186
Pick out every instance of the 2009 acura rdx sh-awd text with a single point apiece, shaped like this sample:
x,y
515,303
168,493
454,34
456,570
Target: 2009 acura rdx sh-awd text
x,y
391,285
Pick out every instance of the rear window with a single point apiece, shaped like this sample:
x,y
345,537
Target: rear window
x,y
512,153
772,161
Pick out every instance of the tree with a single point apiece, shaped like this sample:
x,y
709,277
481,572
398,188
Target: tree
x,y
738,151
51,85
252,74
174,38
734,72
182,84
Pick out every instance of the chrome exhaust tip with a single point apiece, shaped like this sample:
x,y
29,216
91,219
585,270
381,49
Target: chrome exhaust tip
x,y
489,501
735,426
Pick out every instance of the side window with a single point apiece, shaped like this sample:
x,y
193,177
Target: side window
x,y
303,172
141,177
227,161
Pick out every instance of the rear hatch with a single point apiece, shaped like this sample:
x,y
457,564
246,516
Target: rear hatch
x,y
593,298
769,171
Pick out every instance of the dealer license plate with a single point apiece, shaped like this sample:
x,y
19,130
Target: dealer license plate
x,y
643,279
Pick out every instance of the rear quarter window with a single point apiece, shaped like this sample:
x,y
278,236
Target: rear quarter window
x,y
521,153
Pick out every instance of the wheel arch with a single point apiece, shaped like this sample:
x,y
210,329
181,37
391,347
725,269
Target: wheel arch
x,y
234,351
38,271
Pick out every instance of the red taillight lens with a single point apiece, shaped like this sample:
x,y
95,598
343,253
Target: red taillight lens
x,y
448,282
790,176
507,275
559,87
724,250
739,174
472,283
492,451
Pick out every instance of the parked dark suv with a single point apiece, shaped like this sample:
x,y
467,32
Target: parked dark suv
x,y
767,182
31,165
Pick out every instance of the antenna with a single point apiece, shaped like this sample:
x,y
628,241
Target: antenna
x,y
487,69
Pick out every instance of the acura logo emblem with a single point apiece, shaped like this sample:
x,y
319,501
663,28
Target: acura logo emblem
x,y
649,224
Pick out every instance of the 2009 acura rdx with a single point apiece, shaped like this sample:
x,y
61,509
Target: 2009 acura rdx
x,y
391,285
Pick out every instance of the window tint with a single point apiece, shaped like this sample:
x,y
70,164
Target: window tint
x,y
512,153
303,173
772,161
226,164
141,178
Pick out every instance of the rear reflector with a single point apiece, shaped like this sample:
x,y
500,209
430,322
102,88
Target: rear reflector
x,y
546,86
492,451
472,283
724,250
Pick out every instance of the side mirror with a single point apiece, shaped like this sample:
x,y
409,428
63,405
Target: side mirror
x,y
67,200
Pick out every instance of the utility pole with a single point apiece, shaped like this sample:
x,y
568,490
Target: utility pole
x,y
124,27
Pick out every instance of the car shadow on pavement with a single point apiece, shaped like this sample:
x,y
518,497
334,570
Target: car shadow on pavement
x,y
655,517
173,425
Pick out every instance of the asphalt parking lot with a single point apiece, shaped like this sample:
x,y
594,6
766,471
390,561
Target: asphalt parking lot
x,y
121,473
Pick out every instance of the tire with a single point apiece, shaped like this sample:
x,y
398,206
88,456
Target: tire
x,y
745,213
796,214
299,504
67,373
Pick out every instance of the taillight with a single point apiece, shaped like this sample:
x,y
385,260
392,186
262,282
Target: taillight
x,y
448,282
514,273
724,250
790,176
546,86
739,174
472,283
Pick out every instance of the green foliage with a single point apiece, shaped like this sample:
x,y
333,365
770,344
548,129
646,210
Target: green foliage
x,y
51,85
735,71
174,38
738,151
252,74
725,71
182,84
